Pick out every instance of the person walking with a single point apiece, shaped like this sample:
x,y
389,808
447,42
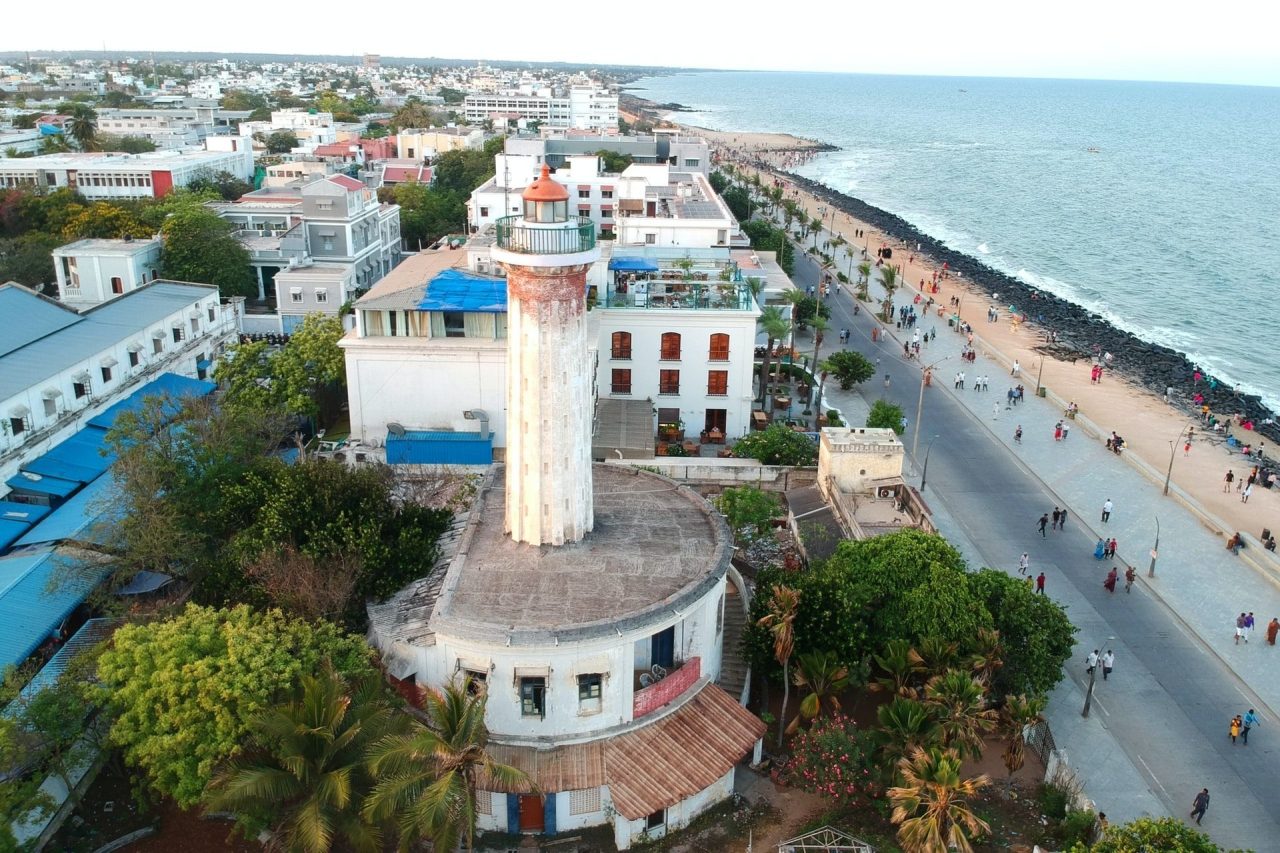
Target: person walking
x,y
1111,549
1044,522
1024,562
995,411
1240,628
1108,663
1244,495
1066,428
1129,576
1234,727
1250,720
1110,582
1273,628
1017,435
1057,514
1062,520
1231,476
1057,431
1092,662
1040,583
1106,510
1200,805
1016,368
1248,625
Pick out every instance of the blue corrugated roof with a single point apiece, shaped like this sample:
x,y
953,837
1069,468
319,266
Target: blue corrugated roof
x,y
11,531
37,591
633,265
29,513
36,484
28,317
92,632
82,457
459,290
171,385
37,358
86,517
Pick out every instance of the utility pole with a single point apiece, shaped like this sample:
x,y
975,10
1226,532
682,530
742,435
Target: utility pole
x,y
915,441
1155,551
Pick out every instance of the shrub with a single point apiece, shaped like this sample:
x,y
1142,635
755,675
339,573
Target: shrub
x,y
834,758
886,416
777,445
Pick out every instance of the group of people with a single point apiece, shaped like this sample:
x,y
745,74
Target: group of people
x,y
1113,577
1106,659
1240,725
1105,549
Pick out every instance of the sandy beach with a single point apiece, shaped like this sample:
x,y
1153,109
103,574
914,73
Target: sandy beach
x,y
1152,428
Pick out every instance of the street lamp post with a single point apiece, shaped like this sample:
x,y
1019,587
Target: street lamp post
x,y
1173,452
925,470
1088,693
1155,551
915,440
1039,373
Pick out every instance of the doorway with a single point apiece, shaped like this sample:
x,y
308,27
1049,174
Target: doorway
x,y
716,419
532,816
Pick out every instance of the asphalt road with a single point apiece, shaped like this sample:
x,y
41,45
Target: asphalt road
x,y
1170,699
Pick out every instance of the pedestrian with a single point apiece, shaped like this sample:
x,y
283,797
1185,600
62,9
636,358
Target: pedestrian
x,y
1057,513
1240,629
1129,576
1244,496
1106,510
1066,428
1016,368
1062,520
1273,628
1200,805
1103,823
1044,522
1250,720
1248,625
1092,662
1108,663
1040,583
1057,431
1017,435
1110,582
1111,548
1231,475
1024,562
1100,550
1234,728
1186,449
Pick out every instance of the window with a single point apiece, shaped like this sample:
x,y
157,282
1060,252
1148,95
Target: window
x,y
455,324
584,210
589,693
178,334
212,314
484,213
80,389
195,326
668,382
484,803
670,346
322,295
650,238
117,284
327,244
719,350
154,275
50,407
157,345
584,193
606,211
533,697
621,345
106,374
295,294
606,193
692,161
133,358
621,381
477,682
717,383
584,801
656,820
17,425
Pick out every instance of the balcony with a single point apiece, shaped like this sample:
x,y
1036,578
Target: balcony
x,y
658,692
557,240
665,295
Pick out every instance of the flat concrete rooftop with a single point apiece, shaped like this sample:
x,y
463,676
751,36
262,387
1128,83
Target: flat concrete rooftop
x,y
656,546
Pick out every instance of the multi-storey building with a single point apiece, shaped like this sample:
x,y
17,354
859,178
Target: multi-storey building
x,y
93,271
425,144
583,107
115,176
170,128
311,128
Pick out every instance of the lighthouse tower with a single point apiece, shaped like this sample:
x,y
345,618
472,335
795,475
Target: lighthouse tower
x,y
546,254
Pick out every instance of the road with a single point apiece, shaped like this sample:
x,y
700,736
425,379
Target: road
x,y
1170,699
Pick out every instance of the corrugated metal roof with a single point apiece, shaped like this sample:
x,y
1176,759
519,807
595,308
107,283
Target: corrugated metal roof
x,y
169,385
37,591
25,481
86,517
11,531
28,513
81,458
27,317
60,347
91,633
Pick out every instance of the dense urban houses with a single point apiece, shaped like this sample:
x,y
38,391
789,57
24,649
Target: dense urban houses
x,y
120,176
600,672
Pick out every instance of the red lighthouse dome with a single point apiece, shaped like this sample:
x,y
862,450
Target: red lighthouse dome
x,y
545,200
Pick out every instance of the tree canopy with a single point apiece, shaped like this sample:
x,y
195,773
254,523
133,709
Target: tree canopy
x,y
849,368
885,415
778,444
199,247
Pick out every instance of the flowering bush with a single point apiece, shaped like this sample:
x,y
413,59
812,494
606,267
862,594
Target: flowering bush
x,y
833,758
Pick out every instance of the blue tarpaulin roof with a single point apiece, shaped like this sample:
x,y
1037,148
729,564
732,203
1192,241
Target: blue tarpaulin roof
x,y
459,290
51,486
79,458
633,265
83,518
37,591
170,385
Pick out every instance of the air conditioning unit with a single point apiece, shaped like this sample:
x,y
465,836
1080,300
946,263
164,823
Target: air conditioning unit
x,y
885,492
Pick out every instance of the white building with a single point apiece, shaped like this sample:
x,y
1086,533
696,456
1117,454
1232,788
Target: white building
x,y
20,142
116,176
59,367
599,671
93,271
169,128
426,143
310,128
584,107
657,207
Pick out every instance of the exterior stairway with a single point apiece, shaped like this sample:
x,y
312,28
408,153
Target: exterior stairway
x,y
734,671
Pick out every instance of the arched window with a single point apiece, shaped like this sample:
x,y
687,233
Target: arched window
x,y
621,345
719,350
670,346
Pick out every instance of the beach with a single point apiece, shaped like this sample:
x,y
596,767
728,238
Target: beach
x,y
1125,400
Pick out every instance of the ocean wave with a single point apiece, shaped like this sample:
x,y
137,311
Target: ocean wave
x,y
984,248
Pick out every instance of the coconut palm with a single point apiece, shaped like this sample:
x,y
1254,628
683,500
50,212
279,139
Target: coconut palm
x,y
427,777
889,281
795,297
305,776
779,621
959,704
1019,714
82,127
824,677
905,725
987,655
816,225
774,326
930,806
864,280
820,326
900,667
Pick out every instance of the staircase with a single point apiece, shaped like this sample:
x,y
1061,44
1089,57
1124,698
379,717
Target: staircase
x,y
733,669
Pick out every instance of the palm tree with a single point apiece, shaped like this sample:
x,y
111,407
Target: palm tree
x,y
1019,714
959,704
889,281
823,370
795,297
905,725
780,620
864,280
824,677
816,225
900,666
936,656
428,776
774,326
987,655
819,326
305,776
82,127
930,806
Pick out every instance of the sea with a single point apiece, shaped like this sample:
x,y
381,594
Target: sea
x,y
1156,205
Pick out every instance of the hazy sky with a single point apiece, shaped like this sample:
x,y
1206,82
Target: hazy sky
x,y
1231,41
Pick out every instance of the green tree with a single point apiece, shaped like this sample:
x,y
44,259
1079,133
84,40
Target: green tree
x,y
739,202
900,670
930,806
1019,714
905,726
428,777
103,219
462,171
718,180
889,281
311,370
612,161
886,415
126,144
304,775
1151,834
27,259
282,142
199,247
774,326
766,237
807,308
1035,631
748,510
226,185
414,114
958,702
82,127
778,444
186,688
822,679
849,368
779,621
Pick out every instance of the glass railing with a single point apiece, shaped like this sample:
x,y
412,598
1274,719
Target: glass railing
x,y
514,236
698,297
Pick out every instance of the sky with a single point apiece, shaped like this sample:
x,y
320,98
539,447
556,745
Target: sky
x,y
1229,41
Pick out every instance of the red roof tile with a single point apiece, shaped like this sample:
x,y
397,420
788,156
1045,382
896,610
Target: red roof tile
x,y
347,182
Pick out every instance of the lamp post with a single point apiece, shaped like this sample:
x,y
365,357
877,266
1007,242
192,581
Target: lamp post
x,y
1155,550
925,471
1088,693
915,440
1173,452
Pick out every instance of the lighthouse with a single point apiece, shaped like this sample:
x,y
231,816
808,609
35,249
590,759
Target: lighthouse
x,y
546,254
